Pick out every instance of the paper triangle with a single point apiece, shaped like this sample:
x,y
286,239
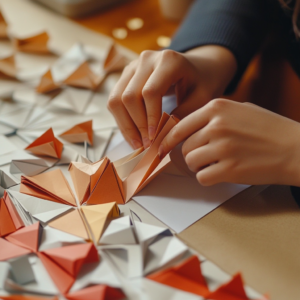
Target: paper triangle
x,y
27,237
47,83
232,290
115,60
8,67
97,215
107,189
51,186
97,292
3,27
80,133
47,145
18,222
60,277
83,77
71,258
7,225
187,277
71,223
35,44
9,250
29,169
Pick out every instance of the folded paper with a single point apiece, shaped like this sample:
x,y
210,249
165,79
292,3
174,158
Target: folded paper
x,y
5,182
35,44
115,60
8,66
79,133
21,270
10,250
3,27
47,83
47,145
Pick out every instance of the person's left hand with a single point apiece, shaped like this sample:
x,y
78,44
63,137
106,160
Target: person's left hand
x,y
227,141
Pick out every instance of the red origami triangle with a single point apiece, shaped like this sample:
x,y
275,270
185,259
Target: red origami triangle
x,y
9,250
7,225
186,276
60,277
97,292
27,237
232,290
71,258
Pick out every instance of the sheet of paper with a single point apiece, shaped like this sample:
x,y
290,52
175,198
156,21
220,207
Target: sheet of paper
x,y
6,145
180,201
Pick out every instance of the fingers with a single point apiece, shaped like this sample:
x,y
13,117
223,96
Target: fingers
x,y
213,174
201,157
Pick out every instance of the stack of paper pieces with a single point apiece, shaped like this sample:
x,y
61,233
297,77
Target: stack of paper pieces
x,y
47,145
10,220
5,182
8,67
34,44
79,133
47,83
3,27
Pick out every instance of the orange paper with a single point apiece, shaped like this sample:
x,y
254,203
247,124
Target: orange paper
x,y
35,44
47,145
18,223
115,60
50,185
47,84
27,237
9,250
62,279
186,276
7,225
24,297
8,67
83,77
96,292
80,133
71,258
3,27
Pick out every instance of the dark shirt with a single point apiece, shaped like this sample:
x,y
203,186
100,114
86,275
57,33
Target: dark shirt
x,y
241,26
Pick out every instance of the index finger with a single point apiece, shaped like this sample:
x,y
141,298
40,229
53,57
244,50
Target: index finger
x,y
185,128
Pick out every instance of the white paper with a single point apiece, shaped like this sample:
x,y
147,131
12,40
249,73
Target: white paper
x,y
6,146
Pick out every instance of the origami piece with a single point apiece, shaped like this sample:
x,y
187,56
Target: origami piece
x,y
21,270
186,276
72,99
83,77
64,263
9,250
115,60
96,292
27,237
3,27
79,133
47,83
10,221
4,273
8,66
5,182
24,297
35,44
47,145
51,186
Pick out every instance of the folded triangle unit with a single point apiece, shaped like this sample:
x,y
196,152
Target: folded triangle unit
x,y
115,60
7,225
8,67
9,250
47,83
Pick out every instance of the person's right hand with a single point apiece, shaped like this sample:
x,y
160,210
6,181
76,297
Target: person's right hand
x,y
196,76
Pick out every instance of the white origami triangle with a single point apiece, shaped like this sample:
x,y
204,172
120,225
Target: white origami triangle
x,y
28,169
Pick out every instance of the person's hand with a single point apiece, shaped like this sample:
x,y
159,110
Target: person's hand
x,y
197,77
227,141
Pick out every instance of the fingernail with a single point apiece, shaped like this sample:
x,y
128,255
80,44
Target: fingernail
x,y
146,142
151,132
136,144
161,152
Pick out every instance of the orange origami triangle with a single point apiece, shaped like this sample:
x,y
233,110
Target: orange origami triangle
x,y
8,67
13,212
23,297
36,44
47,144
71,258
187,277
80,133
108,189
27,237
7,225
232,290
115,60
47,83
83,77
9,250
60,277
97,292
3,27
71,223
50,185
